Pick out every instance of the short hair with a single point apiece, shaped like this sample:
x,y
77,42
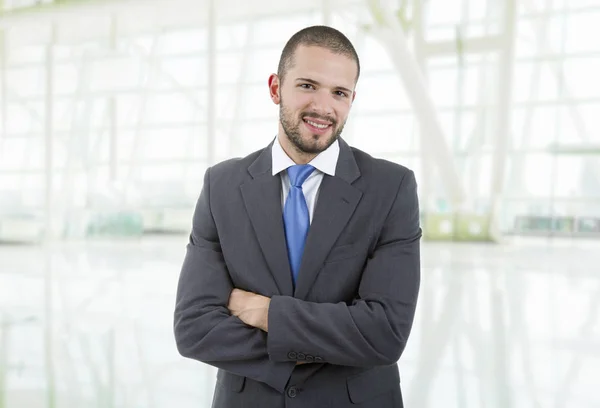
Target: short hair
x,y
320,36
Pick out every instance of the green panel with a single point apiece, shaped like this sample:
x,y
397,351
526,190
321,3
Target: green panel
x,y
576,149
438,227
120,224
456,227
473,227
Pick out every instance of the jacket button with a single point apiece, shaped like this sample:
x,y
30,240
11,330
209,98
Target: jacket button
x,y
310,359
292,392
301,356
292,355
318,359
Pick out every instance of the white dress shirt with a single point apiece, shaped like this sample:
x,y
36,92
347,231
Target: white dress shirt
x,y
324,163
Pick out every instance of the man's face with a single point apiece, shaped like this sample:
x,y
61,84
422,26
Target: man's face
x,y
315,98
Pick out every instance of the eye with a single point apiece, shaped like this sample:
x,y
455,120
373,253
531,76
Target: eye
x,y
341,93
307,86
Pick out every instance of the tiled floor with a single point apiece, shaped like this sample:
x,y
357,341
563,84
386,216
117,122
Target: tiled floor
x,y
514,325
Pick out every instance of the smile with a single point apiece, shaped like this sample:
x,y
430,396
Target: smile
x,y
317,125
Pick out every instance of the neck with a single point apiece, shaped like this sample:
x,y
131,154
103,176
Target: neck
x,y
298,156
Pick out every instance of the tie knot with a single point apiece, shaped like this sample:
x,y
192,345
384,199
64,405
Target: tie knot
x,y
299,173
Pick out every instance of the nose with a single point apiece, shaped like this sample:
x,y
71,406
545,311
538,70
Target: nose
x,y
321,103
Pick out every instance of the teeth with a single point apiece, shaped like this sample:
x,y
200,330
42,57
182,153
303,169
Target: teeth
x,y
316,124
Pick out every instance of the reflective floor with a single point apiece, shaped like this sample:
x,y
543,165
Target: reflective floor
x,y
89,325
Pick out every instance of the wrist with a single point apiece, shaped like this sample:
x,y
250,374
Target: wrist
x,y
265,315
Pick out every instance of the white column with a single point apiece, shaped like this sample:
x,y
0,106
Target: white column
x,y
211,135
4,326
48,135
426,191
211,103
112,111
503,124
240,97
3,87
49,354
326,12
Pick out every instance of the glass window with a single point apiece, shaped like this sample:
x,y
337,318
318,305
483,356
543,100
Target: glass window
x,y
25,54
581,77
30,80
582,31
443,11
567,176
374,56
535,81
256,102
590,117
381,92
24,118
260,64
387,134
175,72
252,136
117,73
537,176
233,35
182,41
263,30
169,108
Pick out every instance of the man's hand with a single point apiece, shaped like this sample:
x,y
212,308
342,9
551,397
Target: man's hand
x,y
250,308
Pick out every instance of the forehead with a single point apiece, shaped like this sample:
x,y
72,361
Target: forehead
x,y
324,66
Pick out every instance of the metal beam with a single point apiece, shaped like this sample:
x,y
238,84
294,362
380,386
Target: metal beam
x,y
236,10
389,32
576,149
469,46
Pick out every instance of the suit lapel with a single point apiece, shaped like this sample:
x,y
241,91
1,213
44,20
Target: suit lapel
x,y
336,203
262,198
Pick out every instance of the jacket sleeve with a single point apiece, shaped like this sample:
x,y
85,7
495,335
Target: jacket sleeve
x,y
203,326
374,328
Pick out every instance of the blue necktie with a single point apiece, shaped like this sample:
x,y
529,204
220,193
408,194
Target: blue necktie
x,y
296,217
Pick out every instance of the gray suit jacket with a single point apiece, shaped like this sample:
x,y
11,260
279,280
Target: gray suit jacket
x,y
351,312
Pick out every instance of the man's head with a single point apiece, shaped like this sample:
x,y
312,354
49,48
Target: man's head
x,y
314,86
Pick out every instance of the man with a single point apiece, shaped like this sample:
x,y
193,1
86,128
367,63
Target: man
x,y
301,285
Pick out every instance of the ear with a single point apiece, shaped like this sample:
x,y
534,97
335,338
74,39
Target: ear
x,y
274,89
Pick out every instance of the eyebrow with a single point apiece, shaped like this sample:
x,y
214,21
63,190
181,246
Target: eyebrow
x,y
312,81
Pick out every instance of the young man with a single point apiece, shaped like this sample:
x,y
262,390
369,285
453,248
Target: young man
x,y
302,272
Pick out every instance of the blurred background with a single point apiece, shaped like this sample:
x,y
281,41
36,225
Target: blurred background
x,y
110,112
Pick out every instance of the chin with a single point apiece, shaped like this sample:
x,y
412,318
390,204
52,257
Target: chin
x,y
315,144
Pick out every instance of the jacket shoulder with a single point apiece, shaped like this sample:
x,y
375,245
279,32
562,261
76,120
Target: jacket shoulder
x,y
379,168
233,169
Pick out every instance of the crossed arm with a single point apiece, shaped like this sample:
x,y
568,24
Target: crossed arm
x,y
252,335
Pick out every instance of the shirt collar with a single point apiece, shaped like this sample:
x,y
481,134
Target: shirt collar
x,y
326,161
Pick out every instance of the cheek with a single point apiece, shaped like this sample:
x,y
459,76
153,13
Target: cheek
x,y
342,106
342,114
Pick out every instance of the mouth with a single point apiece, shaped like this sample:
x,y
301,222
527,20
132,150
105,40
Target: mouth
x,y
316,125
